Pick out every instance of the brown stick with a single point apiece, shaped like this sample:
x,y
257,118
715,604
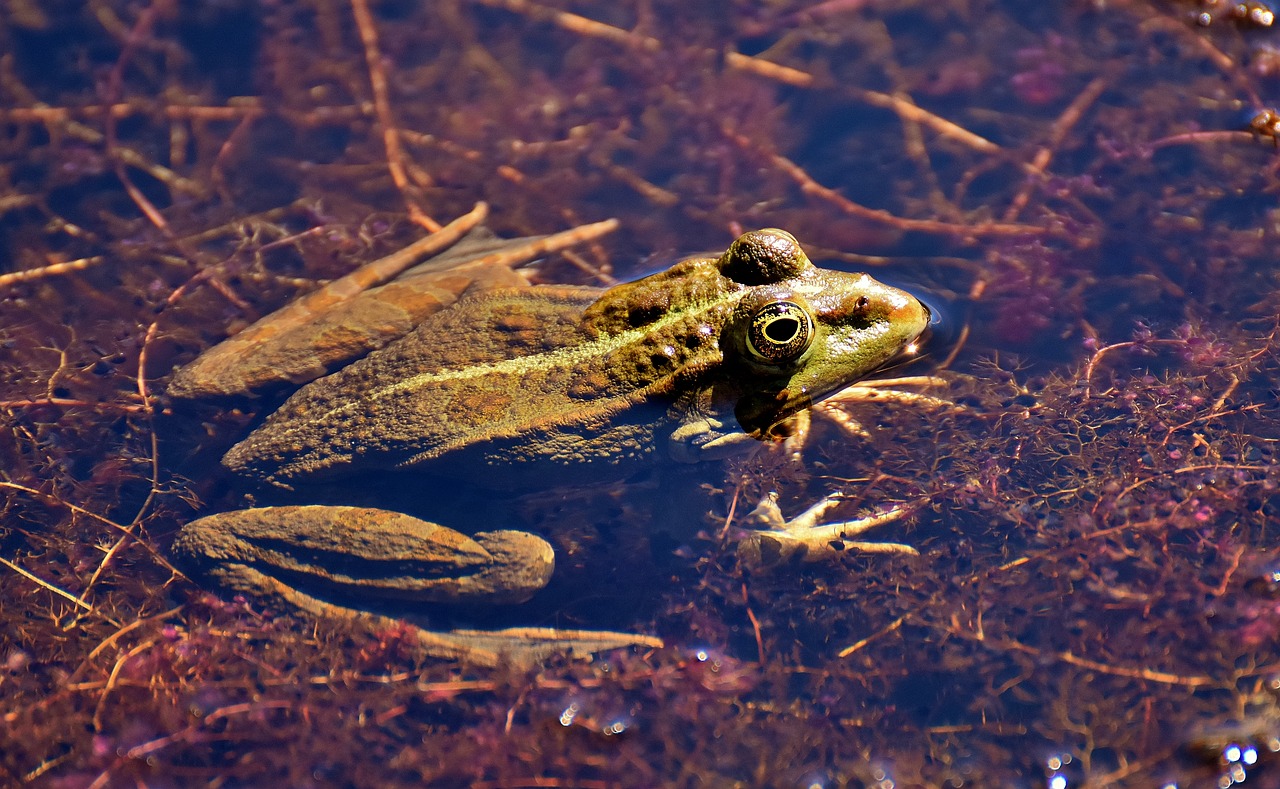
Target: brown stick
x,y
382,105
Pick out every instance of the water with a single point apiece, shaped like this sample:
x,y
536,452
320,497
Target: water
x,y
1075,185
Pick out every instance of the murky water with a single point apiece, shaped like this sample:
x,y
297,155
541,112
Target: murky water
x,y
1085,191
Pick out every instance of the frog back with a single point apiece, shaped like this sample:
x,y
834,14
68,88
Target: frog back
x,y
528,380
516,386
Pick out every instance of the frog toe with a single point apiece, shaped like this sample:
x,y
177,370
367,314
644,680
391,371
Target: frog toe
x,y
778,541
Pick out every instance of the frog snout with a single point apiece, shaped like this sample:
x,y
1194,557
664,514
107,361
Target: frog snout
x,y
927,330
911,313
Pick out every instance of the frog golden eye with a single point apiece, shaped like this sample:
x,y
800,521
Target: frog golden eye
x,y
780,332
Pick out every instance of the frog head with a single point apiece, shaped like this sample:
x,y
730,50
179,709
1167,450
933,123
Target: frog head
x,y
799,333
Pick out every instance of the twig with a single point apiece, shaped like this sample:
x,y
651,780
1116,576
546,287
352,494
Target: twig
x,y
1200,138
382,105
45,584
53,269
900,105
1057,134
114,676
577,24
125,154
1173,473
217,169
1198,42
64,402
115,88
878,215
884,631
1066,656
90,514
1092,364
755,624
747,64
111,639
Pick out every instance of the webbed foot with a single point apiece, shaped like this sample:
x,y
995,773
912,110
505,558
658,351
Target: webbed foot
x,y
777,540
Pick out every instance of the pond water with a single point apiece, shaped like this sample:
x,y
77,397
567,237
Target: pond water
x,y
1084,192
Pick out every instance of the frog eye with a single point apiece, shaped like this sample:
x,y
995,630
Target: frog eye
x,y
780,332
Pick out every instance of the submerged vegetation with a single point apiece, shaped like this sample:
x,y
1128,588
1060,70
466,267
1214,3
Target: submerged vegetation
x,y
1086,188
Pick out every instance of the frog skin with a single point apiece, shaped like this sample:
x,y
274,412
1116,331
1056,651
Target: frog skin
x,y
528,386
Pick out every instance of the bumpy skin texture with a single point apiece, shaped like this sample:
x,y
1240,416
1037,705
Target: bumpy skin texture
x,y
535,380
361,553
347,318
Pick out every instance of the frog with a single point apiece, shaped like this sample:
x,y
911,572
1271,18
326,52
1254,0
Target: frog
x,y
524,387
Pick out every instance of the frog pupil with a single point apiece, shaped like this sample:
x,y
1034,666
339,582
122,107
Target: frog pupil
x,y
782,330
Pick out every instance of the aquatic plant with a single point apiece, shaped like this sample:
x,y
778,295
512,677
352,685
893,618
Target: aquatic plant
x,y
1086,189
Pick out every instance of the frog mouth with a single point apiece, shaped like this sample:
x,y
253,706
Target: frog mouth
x,y
938,332
764,414
913,350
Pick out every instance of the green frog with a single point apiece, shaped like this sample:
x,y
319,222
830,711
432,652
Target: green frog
x,y
527,387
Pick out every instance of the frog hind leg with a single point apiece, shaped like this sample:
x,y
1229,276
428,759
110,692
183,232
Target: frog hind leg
x,y
519,647
363,554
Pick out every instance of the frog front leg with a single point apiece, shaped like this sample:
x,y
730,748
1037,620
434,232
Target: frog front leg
x,y
777,540
774,539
